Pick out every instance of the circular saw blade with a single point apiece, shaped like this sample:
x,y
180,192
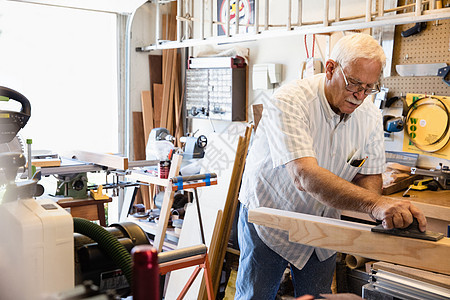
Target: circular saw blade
x,y
17,145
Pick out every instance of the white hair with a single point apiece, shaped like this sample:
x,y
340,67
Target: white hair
x,y
355,46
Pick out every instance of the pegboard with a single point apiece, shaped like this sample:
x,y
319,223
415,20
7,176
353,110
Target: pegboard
x,y
432,45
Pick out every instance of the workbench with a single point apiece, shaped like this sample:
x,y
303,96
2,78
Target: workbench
x,y
88,208
434,204
170,185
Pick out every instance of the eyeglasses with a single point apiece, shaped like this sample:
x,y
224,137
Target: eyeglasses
x,y
357,87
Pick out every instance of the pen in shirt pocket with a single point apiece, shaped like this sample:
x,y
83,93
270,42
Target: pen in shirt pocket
x,y
358,162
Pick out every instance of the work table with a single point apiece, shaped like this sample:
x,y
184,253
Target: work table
x,y
434,204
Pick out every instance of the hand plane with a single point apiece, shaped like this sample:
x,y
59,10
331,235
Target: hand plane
x,y
412,231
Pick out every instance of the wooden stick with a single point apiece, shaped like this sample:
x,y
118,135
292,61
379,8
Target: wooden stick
x,y
168,68
139,154
380,8
326,9
425,276
166,89
172,93
167,204
155,72
157,100
357,239
368,10
178,111
147,114
337,13
230,207
103,159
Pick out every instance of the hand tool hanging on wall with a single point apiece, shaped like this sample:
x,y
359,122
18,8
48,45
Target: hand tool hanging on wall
x,y
420,69
444,72
415,29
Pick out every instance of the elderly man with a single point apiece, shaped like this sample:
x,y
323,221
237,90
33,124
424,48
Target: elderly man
x,y
319,148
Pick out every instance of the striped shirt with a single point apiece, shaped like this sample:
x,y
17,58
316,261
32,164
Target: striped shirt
x,y
298,122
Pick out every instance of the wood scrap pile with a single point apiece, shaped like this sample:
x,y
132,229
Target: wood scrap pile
x,y
162,103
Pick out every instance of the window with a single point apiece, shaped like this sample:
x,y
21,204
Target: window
x,y
65,62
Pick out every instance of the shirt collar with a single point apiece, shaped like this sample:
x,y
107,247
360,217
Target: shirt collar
x,y
329,113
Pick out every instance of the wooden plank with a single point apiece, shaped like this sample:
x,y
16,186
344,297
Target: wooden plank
x,y
440,197
147,114
168,68
178,113
155,71
102,159
429,210
218,249
167,204
425,276
174,91
46,162
357,239
166,89
157,100
138,146
257,114
171,94
138,136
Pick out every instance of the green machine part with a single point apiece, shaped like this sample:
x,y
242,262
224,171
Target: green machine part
x,y
74,185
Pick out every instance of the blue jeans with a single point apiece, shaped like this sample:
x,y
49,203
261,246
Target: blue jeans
x,y
261,269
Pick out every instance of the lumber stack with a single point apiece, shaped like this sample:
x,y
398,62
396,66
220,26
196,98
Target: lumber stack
x,y
161,103
170,116
221,234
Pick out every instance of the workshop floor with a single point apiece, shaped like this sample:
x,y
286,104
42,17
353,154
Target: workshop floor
x,y
286,291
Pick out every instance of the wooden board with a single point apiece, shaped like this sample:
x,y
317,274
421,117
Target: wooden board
x,y
178,107
138,147
399,185
257,113
155,71
138,136
167,86
46,162
425,276
157,100
167,204
147,114
440,197
218,248
102,159
173,94
357,239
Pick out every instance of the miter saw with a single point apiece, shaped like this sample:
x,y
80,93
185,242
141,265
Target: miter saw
x,y
37,252
12,121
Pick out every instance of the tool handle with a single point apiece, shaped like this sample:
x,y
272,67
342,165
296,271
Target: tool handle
x,y
415,29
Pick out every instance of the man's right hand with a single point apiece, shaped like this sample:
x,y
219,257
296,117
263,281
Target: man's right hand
x,y
397,214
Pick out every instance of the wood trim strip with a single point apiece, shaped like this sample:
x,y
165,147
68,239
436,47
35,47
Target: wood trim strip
x,y
107,160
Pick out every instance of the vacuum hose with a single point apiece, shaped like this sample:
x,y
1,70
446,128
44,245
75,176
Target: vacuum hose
x,y
108,243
